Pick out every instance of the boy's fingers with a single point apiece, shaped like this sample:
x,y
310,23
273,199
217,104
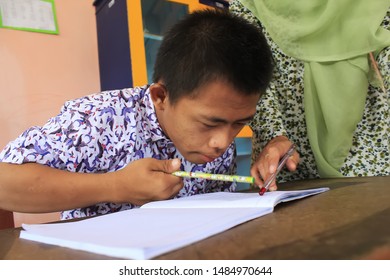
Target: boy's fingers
x,y
169,166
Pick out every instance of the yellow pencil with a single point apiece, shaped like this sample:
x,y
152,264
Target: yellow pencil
x,y
218,177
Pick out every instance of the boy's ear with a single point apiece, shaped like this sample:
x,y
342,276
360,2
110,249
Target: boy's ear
x,y
159,95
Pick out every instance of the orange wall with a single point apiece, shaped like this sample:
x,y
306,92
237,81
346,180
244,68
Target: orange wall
x,y
39,72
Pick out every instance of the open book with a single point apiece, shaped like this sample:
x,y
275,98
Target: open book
x,y
163,226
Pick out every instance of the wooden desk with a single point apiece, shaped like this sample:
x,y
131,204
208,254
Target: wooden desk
x,y
351,221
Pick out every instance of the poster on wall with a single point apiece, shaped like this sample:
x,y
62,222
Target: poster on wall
x,y
29,15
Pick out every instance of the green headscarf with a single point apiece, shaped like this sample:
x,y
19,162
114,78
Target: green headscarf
x,y
333,38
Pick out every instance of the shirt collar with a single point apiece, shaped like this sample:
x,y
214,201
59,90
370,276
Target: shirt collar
x,y
152,128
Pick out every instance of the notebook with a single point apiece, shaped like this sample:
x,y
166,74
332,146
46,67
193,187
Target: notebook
x,y
160,227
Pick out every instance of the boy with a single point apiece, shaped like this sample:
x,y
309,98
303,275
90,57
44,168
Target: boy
x,y
117,149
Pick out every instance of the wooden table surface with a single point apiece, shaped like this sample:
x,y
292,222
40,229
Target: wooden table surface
x,y
351,221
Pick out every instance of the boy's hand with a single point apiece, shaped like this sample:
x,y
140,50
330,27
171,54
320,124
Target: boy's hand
x,y
268,160
146,180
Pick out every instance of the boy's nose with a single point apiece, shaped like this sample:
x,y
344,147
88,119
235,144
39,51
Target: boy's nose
x,y
221,140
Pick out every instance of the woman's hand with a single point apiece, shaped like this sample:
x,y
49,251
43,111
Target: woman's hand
x,y
267,162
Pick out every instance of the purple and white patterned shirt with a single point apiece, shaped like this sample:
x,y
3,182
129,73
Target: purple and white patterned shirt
x,y
104,132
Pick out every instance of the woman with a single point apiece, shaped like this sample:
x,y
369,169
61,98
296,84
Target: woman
x,y
326,96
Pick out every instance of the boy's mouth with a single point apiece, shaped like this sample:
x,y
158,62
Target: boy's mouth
x,y
207,158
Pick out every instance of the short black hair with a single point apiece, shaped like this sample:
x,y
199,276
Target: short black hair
x,y
210,45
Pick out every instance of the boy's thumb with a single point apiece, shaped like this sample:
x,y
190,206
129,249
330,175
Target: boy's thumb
x,y
172,165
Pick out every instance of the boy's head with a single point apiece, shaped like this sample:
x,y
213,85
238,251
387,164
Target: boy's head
x,y
213,45
209,74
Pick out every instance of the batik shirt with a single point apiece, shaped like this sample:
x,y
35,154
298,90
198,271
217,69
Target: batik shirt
x,y
103,133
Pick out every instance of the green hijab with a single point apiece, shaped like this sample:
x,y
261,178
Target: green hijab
x,y
333,38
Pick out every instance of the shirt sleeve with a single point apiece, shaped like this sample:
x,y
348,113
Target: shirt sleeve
x,y
268,121
70,141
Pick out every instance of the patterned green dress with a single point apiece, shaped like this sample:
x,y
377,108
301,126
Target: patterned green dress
x,y
281,112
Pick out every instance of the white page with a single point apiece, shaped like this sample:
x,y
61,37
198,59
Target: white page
x,y
233,199
140,233
210,200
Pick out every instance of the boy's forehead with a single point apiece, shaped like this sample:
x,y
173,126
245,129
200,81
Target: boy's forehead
x,y
218,96
218,89
219,105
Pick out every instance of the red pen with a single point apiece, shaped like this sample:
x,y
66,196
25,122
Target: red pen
x,y
281,164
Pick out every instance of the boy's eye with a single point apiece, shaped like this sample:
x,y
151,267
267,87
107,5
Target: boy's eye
x,y
209,125
241,124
